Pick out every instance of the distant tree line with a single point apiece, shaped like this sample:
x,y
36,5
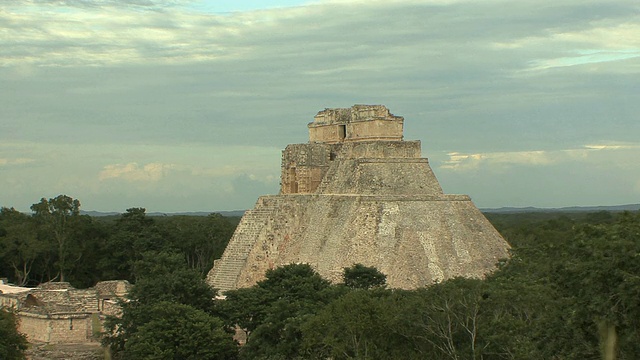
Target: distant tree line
x,y
56,243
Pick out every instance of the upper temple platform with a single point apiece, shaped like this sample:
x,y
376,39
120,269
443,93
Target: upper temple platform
x,y
357,123
342,143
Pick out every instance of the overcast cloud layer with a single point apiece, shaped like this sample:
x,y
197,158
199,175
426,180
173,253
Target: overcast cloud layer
x,y
172,106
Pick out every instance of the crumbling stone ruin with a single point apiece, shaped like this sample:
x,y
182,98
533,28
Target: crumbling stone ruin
x,y
57,313
358,193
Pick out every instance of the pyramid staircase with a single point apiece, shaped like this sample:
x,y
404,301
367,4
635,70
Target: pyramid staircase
x,y
229,267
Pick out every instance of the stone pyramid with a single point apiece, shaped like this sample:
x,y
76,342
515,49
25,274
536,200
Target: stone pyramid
x,y
358,193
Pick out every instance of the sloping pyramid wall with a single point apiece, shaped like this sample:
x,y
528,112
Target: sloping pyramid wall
x,y
378,204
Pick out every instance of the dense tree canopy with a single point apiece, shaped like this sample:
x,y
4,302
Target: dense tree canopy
x,y
178,331
58,243
20,247
573,285
169,315
272,311
359,276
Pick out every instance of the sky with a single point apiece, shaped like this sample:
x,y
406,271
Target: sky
x,y
179,105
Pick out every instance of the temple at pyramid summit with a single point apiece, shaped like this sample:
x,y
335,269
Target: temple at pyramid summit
x,y
358,193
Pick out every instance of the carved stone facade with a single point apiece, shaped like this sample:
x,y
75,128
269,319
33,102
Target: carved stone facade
x,y
360,194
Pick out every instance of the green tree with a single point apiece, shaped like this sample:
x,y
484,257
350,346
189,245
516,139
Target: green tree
x,y
245,308
89,236
177,331
601,274
20,247
523,318
169,315
272,311
165,277
12,343
201,239
443,320
570,290
359,276
57,216
133,234
357,325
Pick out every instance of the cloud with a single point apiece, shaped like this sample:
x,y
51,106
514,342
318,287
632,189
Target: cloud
x,y
133,172
499,160
586,57
100,3
93,82
16,161
603,42
90,33
79,32
464,162
612,146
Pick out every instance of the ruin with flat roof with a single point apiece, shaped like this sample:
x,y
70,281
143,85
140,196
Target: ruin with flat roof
x,y
357,192
58,313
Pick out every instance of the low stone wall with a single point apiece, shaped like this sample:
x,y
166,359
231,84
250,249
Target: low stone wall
x,y
56,328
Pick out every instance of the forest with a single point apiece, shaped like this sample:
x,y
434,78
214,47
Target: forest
x,y
56,243
571,290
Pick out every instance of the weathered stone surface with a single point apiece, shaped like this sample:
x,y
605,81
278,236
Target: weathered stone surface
x,y
57,313
360,201
357,123
86,351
